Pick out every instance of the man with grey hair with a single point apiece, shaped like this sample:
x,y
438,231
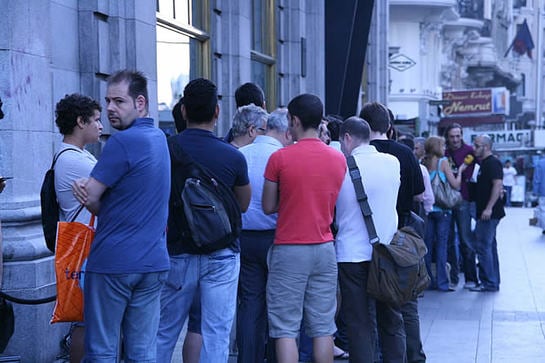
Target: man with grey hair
x,y
489,212
248,122
257,236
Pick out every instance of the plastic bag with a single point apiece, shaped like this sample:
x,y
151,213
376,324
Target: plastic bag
x,y
72,248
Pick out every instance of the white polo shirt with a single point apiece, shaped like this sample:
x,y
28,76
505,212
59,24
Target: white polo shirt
x,y
381,178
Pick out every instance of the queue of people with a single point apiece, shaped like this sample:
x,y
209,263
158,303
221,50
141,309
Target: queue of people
x,y
289,268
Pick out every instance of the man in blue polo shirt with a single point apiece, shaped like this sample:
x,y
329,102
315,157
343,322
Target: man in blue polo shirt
x,y
128,261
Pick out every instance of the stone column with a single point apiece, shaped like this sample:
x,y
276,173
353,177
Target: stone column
x,y
28,139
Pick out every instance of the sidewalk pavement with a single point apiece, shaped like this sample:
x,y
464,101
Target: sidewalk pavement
x,y
489,327
493,327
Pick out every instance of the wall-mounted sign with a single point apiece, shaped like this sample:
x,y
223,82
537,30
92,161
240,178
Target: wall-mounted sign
x,y
477,102
505,137
401,62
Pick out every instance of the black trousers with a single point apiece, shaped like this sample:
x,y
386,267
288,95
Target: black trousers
x,y
364,315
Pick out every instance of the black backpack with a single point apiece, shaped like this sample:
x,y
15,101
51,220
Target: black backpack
x,y
49,204
209,211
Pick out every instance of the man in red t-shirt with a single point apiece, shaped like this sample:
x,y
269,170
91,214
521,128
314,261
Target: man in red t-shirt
x,y
302,182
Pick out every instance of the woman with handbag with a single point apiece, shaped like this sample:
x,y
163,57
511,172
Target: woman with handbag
x,y
445,187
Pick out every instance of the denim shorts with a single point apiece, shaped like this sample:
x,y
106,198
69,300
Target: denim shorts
x,y
302,282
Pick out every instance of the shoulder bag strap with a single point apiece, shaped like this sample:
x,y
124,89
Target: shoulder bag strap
x,y
362,199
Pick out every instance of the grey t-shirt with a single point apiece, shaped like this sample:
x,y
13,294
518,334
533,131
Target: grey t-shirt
x,y
72,165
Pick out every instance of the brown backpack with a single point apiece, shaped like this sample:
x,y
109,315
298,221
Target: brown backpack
x,y
397,273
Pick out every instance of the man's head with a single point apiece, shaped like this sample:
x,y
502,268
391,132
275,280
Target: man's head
x,y
333,125
323,133
78,114
249,93
409,141
126,98
454,136
200,102
179,121
482,146
250,120
419,150
277,126
353,132
304,112
377,116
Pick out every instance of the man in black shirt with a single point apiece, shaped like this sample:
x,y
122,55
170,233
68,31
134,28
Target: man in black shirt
x,y
489,212
412,184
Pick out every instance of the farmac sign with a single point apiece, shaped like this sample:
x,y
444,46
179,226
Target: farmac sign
x,y
505,138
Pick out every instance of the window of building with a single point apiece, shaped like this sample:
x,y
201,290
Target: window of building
x,y
183,52
263,54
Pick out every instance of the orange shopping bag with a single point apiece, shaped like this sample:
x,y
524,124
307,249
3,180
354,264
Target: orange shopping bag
x,y
73,245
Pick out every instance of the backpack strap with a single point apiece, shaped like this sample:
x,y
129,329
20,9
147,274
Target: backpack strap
x,y
363,201
59,154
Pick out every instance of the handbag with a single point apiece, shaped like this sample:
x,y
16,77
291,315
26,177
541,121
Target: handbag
x,y
446,197
397,272
72,248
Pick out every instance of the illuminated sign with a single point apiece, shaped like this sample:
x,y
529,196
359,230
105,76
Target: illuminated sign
x,y
477,102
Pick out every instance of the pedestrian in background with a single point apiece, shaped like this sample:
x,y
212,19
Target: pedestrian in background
x,y
509,174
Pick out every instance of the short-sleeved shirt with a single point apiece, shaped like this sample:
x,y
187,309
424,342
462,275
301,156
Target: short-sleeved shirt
x,y
309,176
131,231
380,178
71,165
509,175
491,169
456,158
221,159
257,154
412,182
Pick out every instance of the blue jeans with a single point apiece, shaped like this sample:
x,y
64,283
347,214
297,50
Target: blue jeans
x,y
122,303
508,191
437,231
487,252
215,278
252,333
461,216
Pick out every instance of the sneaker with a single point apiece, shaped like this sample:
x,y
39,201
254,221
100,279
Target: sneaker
x,y
470,285
482,288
